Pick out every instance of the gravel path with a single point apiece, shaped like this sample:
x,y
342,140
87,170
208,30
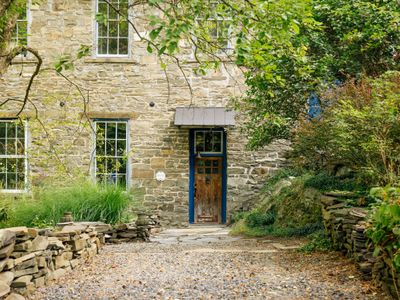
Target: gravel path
x,y
201,264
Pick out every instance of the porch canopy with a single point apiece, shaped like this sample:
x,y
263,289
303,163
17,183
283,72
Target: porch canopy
x,y
204,117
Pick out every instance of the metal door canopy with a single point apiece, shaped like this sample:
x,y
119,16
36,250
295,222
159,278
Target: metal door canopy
x,y
204,117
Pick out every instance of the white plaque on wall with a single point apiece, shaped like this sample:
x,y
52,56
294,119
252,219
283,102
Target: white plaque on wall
x,y
160,176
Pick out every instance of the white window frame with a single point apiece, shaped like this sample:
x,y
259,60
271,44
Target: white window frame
x,y
24,156
127,139
28,20
229,45
96,35
206,131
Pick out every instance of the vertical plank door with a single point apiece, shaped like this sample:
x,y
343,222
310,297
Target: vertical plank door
x,y
208,189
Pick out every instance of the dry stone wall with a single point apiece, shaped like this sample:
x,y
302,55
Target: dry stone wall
x,y
347,228
114,87
31,258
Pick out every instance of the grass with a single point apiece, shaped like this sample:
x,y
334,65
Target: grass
x,y
86,200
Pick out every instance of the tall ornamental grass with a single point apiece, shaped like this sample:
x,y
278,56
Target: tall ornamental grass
x,y
86,200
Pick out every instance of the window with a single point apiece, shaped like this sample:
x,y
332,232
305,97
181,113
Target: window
x,y
219,31
208,141
217,27
13,158
113,32
20,34
111,153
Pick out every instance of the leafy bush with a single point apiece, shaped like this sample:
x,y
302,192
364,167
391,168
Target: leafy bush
x,y
86,200
319,241
288,209
325,182
259,219
360,130
384,230
239,216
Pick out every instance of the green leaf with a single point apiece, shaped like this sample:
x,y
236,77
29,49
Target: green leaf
x,y
101,18
377,250
155,32
172,47
84,50
162,50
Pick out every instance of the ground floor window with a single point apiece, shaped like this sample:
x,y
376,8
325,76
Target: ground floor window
x,y
111,152
13,155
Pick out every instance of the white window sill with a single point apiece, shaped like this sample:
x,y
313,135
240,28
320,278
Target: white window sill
x,y
110,60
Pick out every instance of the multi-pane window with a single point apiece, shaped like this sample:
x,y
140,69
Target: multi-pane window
x,y
217,27
20,34
208,141
113,31
12,155
111,154
219,33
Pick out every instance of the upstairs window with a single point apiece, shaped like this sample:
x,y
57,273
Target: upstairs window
x,y
20,34
217,28
113,30
111,153
219,31
13,159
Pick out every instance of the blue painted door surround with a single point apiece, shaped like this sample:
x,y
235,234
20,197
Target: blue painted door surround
x,y
192,158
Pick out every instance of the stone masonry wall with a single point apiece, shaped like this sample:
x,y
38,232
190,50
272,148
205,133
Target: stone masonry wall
x,y
31,258
347,228
60,135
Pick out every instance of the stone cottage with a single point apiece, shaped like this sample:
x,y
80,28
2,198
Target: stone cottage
x,y
118,117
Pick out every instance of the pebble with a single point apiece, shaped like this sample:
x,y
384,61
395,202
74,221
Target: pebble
x,y
228,269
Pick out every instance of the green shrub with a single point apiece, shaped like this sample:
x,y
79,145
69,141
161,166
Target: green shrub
x,y
259,219
239,216
319,241
325,182
288,209
359,130
384,230
86,200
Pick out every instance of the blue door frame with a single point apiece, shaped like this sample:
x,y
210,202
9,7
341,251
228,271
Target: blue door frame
x,y
192,158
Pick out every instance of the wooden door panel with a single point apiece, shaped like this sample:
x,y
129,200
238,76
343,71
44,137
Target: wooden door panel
x,y
208,189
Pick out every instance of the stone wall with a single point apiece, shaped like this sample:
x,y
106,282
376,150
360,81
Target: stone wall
x,y
31,258
123,88
347,228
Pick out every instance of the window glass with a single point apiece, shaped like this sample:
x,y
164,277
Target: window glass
x,y
20,34
12,155
111,152
113,33
217,28
208,141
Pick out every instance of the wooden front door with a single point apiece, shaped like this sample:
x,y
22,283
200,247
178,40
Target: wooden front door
x,y
208,189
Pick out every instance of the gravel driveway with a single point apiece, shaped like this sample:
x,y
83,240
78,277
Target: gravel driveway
x,y
205,263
